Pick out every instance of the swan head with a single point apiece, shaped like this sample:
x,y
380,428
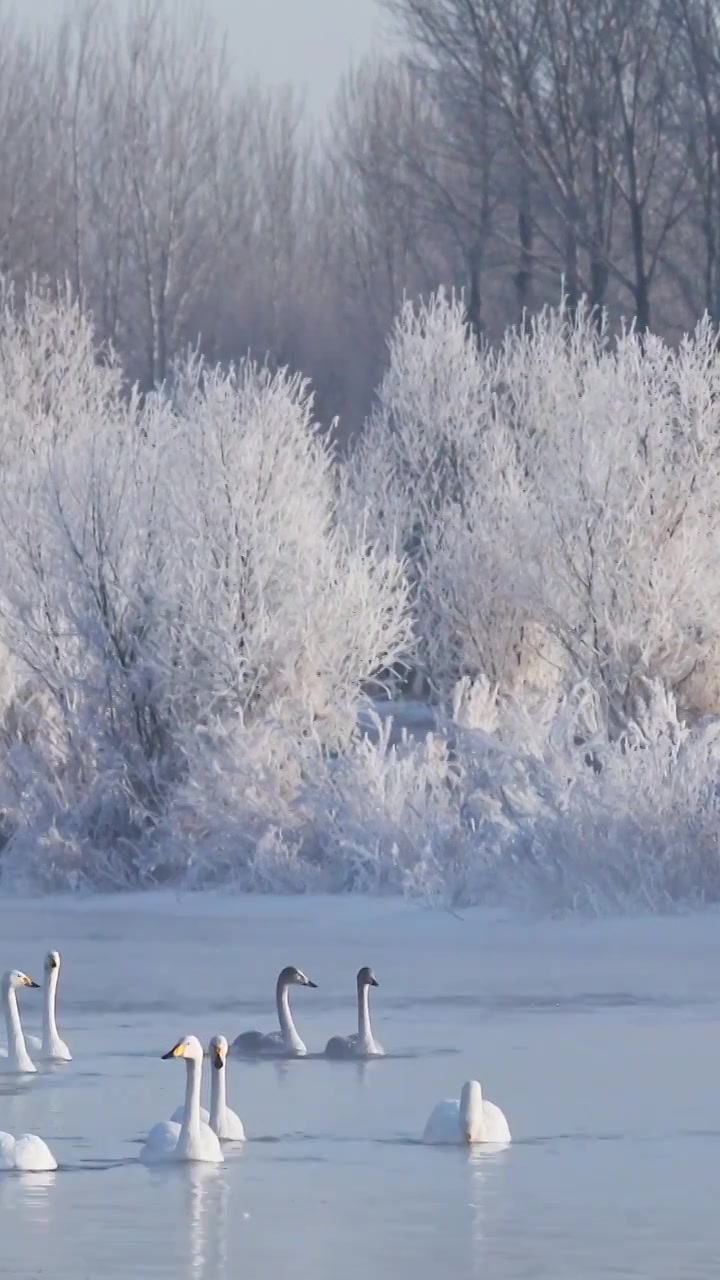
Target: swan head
x,y
52,962
14,979
471,1109
188,1047
366,977
218,1051
292,977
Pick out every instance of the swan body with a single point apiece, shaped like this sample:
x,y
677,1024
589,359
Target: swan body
x,y
364,1044
190,1140
178,1115
50,1047
225,1122
15,1057
469,1119
286,1042
28,1154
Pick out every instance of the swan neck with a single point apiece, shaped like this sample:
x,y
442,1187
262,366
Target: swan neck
x,y
191,1120
50,1031
17,1049
472,1116
364,1031
218,1097
287,1026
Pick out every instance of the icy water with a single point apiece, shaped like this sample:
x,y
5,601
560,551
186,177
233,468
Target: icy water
x,y
600,1041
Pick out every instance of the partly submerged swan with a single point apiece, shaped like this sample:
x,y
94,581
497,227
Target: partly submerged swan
x,y
364,1044
225,1122
471,1119
28,1153
16,1056
287,1040
191,1140
51,1046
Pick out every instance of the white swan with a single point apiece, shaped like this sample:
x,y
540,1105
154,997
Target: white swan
x,y
222,1119
471,1119
225,1122
191,1140
51,1047
16,1056
286,1041
364,1044
28,1153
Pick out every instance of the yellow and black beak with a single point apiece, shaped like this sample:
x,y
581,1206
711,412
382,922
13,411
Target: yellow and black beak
x,y
218,1058
177,1051
28,982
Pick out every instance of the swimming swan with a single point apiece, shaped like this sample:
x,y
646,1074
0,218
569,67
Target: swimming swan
x,y
362,1045
16,1056
287,1040
223,1120
28,1153
191,1140
51,1047
471,1119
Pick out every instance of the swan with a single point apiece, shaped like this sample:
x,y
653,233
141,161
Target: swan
x,y
28,1153
287,1040
471,1119
222,1120
364,1044
51,1046
191,1140
225,1122
18,1058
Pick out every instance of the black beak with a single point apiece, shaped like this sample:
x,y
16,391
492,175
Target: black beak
x,y
218,1060
312,984
35,984
374,982
170,1054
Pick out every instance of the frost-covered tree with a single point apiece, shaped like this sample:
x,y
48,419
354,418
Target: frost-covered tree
x,y
174,579
557,498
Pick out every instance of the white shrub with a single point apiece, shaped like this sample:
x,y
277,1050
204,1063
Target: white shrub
x,y
195,596
558,499
174,575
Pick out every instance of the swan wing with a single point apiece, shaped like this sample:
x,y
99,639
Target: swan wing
x,y
161,1142
444,1122
32,1155
210,1148
178,1115
59,1052
233,1129
496,1125
341,1047
255,1043
250,1042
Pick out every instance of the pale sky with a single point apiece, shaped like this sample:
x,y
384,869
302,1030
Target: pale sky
x,y
307,42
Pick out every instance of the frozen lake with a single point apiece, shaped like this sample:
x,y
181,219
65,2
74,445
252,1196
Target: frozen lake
x,y
601,1041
